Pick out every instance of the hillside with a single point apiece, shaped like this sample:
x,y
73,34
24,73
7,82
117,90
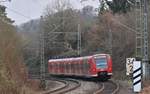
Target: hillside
x,y
13,75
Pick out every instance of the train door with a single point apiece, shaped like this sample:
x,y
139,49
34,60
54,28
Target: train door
x,y
64,67
80,67
52,67
76,68
84,68
72,68
92,66
60,68
67,68
56,68
49,67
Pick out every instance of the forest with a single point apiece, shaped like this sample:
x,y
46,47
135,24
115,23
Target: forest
x,y
109,29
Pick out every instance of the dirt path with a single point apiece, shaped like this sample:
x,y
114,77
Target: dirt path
x,y
125,88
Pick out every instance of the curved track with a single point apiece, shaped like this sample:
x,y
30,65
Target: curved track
x,y
69,85
109,87
65,84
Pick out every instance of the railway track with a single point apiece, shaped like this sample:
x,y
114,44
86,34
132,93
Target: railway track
x,y
109,87
69,85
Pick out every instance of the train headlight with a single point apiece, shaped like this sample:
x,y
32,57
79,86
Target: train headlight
x,y
94,70
109,69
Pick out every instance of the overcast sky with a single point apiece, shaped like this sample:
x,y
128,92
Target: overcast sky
x,y
24,10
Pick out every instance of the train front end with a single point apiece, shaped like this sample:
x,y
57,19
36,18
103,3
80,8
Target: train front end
x,y
103,64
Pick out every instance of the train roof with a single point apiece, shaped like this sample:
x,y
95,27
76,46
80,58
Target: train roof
x,y
75,58
69,59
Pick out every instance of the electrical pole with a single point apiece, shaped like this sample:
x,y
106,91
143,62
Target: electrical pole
x,y
79,40
145,39
42,58
139,29
139,32
110,40
142,34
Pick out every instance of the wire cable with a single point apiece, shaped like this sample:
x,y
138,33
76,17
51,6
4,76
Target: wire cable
x,y
129,28
18,13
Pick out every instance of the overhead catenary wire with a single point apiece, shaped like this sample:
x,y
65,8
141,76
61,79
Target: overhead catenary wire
x,y
18,13
27,17
5,1
127,27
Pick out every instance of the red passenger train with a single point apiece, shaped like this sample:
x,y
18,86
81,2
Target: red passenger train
x,y
99,65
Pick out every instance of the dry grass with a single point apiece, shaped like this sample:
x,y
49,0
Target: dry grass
x,y
13,76
146,89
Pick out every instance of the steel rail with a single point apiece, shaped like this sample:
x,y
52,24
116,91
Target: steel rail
x,y
117,87
64,89
78,84
100,90
115,90
58,89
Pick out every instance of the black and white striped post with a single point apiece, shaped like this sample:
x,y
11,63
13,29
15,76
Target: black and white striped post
x,y
137,76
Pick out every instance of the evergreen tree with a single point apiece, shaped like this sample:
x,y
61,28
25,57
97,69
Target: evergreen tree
x,y
3,15
119,6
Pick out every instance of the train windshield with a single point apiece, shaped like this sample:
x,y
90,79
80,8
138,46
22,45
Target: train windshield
x,y
101,62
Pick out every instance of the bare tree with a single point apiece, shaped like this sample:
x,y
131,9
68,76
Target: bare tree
x,y
57,6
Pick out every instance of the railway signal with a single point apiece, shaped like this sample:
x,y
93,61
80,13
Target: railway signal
x,y
129,66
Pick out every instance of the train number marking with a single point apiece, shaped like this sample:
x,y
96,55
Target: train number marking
x,y
129,65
